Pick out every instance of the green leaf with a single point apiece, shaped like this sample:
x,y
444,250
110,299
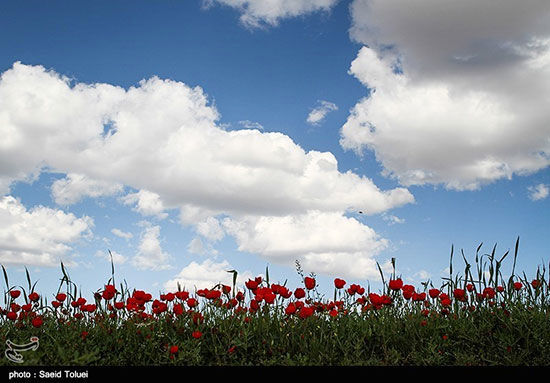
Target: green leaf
x,y
6,278
28,279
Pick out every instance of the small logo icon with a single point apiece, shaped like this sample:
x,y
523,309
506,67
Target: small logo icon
x,y
12,352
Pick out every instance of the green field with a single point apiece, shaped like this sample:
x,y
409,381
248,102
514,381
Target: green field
x,y
473,318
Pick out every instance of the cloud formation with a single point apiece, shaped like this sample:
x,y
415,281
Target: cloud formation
x,y
74,187
458,90
40,236
318,114
205,275
262,13
161,138
538,192
150,255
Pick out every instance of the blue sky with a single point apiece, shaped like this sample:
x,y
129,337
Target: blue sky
x,y
176,134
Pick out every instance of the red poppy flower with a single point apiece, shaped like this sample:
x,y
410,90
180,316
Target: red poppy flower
x,y
535,283
290,309
251,284
434,293
11,315
470,287
459,294
445,302
339,283
299,293
254,305
89,308
34,296
196,334
107,295
226,289
356,289
500,289
15,293
119,305
192,302
37,322
269,297
61,297
27,307
418,297
170,297
84,334
81,301
183,295
306,312
396,284
56,304
488,293
309,282
178,309
174,349
408,288
213,294
518,285
407,294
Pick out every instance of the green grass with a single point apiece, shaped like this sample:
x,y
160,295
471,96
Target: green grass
x,y
511,328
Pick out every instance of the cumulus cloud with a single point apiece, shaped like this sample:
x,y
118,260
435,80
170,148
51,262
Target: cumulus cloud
x,y
458,90
150,255
328,243
318,114
74,187
161,138
206,275
118,259
392,219
39,236
210,229
122,234
146,203
246,124
538,192
261,13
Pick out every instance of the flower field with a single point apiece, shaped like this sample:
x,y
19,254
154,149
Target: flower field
x,y
473,318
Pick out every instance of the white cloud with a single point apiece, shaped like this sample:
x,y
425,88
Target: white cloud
x,y
246,124
196,246
423,275
459,90
147,203
392,219
538,192
318,114
166,145
150,255
163,141
122,234
326,243
210,229
40,236
206,275
118,259
259,13
74,187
